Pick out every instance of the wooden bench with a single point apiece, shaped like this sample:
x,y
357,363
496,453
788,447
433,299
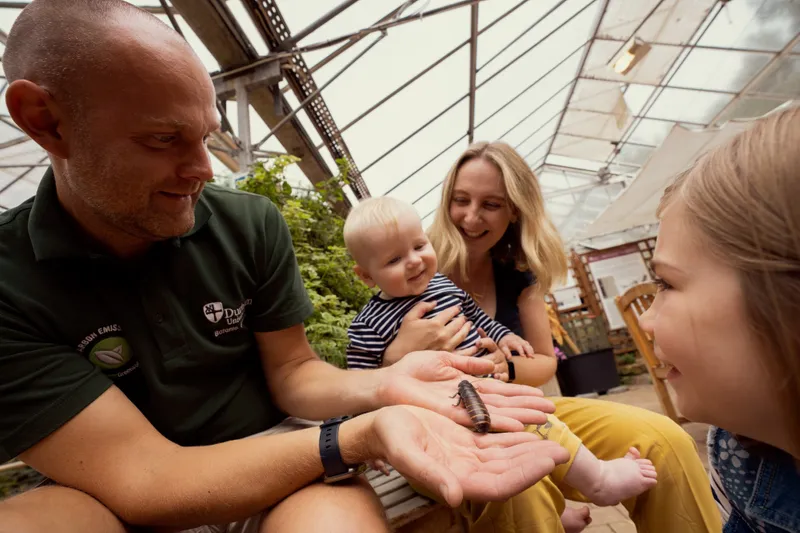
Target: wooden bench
x,y
410,512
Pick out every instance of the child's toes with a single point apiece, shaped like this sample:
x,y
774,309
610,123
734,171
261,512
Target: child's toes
x,y
633,453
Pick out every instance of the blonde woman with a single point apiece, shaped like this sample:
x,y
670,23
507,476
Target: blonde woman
x,y
494,240
727,317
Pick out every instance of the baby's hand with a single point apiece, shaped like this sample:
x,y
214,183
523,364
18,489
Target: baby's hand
x,y
379,466
516,343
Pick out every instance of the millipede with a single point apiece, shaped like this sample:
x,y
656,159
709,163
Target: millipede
x,y
477,410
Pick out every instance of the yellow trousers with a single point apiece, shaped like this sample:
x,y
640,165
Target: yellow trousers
x,y
681,502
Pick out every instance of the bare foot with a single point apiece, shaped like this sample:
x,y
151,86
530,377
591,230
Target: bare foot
x,y
575,520
623,478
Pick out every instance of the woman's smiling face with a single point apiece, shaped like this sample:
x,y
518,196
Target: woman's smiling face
x,y
479,206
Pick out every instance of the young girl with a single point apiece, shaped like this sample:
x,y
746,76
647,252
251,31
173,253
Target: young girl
x,y
727,317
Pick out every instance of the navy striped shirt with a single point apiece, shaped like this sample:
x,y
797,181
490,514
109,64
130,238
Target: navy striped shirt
x,y
377,324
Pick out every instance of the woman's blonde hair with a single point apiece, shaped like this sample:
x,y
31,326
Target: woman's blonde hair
x,y
744,199
532,243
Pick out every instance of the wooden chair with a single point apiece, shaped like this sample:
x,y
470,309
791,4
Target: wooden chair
x,y
632,304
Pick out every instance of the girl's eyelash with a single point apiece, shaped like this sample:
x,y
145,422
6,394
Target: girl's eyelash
x,y
662,285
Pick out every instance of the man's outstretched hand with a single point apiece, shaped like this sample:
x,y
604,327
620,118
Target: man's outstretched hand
x,y
457,464
430,380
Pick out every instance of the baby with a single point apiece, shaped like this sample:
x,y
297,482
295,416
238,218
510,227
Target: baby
x,y
391,251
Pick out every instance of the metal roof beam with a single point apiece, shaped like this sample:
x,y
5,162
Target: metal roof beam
x,y
314,26
659,85
697,47
216,27
269,22
473,69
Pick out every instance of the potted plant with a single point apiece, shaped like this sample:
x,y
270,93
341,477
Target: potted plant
x,y
593,369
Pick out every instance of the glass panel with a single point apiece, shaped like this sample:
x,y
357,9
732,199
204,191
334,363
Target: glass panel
x,y
582,148
535,146
27,153
552,180
7,18
513,95
595,95
588,124
652,132
558,209
749,108
6,176
298,15
719,69
754,24
633,154
673,22
650,70
8,133
386,67
636,97
517,130
559,45
575,162
683,105
619,170
783,78
494,39
17,193
246,23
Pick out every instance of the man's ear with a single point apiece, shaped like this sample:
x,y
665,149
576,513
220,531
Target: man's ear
x,y
361,273
36,112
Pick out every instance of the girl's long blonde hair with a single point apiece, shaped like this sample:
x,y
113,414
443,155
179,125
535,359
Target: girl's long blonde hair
x,y
532,243
744,198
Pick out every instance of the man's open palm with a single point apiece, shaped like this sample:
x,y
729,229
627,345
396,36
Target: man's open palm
x,y
457,464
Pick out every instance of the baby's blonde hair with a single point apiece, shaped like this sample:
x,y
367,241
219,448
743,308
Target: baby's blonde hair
x,y
382,211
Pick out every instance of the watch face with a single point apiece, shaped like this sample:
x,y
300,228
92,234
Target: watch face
x,y
351,472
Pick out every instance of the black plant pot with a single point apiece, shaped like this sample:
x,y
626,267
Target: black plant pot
x,y
588,372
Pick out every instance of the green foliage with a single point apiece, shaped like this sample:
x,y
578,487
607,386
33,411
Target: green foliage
x,y
326,267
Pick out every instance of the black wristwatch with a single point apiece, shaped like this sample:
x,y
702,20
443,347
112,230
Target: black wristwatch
x,y
335,468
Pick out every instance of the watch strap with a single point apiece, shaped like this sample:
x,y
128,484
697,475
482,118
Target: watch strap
x,y
329,447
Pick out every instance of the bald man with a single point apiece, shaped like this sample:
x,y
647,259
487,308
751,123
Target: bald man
x,y
151,325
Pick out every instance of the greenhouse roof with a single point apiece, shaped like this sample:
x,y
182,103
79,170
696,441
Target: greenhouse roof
x,y
405,86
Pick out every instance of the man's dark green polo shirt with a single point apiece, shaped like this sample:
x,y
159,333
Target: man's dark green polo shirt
x,y
173,329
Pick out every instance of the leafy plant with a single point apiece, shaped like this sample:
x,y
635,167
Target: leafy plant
x,y
327,269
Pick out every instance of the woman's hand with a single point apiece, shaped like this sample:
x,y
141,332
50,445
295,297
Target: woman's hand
x,y
443,332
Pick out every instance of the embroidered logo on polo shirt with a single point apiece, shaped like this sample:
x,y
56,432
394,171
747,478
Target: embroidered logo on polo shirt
x,y
109,351
213,311
231,317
